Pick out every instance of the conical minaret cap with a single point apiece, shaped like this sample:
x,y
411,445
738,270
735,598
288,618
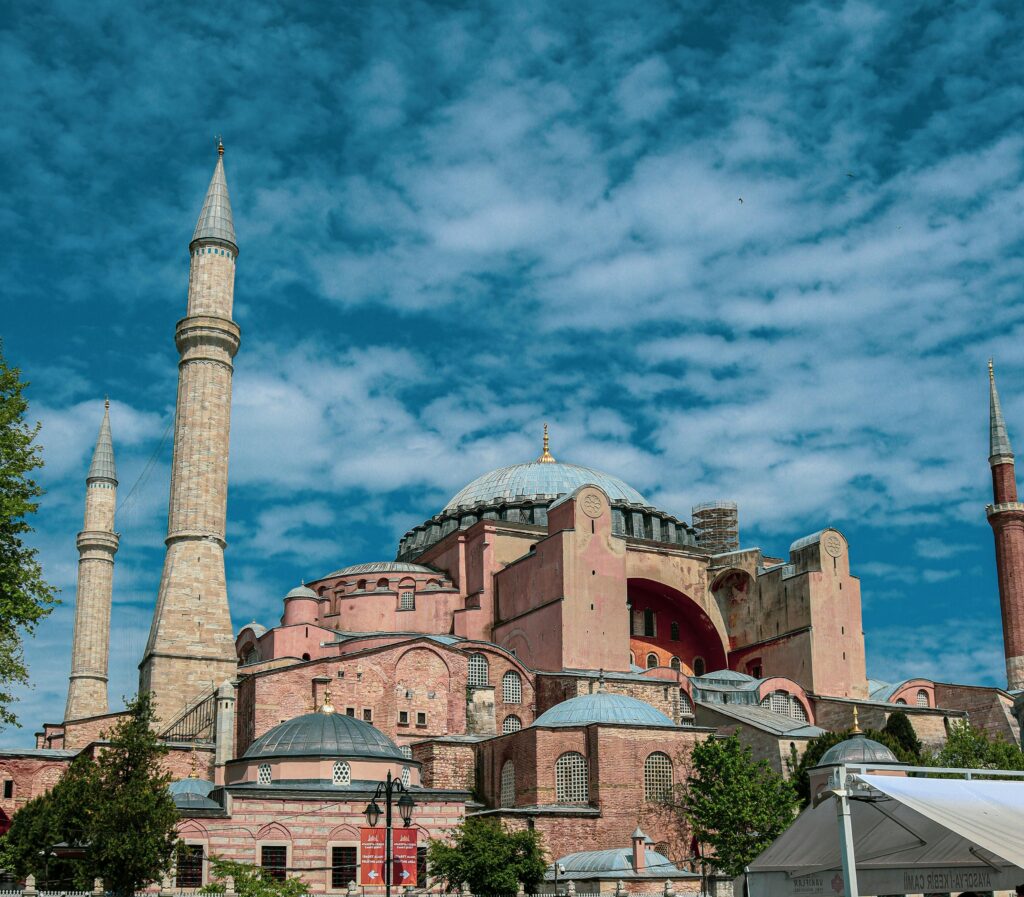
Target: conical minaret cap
x,y
103,467
215,221
998,439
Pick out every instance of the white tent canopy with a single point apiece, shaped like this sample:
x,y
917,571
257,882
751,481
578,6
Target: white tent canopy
x,y
910,836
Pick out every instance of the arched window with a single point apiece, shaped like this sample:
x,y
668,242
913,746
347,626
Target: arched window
x,y
508,784
778,702
685,704
571,785
901,701
922,699
657,776
511,688
341,774
699,667
382,584
361,585
406,776
676,664
407,600
674,631
478,670
632,659
798,710
652,661
512,723
263,774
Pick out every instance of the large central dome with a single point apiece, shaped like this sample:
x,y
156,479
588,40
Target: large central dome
x,y
540,479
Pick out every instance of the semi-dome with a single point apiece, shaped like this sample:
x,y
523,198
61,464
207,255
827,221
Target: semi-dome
x,y
324,734
857,749
602,707
540,479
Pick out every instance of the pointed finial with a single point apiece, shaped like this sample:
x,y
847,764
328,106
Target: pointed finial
x,y
546,456
991,372
193,772
856,730
327,706
600,679
106,403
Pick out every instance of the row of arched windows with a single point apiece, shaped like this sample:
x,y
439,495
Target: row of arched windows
x,y
920,700
511,682
341,774
651,661
786,704
572,780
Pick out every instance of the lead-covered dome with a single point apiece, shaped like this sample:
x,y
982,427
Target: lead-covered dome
x,y
857,749
324,734
540,480
602,707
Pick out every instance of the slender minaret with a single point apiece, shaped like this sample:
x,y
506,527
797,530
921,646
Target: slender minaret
x,y
1006,515
191,642
97,545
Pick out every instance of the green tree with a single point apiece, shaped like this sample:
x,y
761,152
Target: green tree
x,y
25,597
490,858
250,881
133,827
899,728
968,747
736,805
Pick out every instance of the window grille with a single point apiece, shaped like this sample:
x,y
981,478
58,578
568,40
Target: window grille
x,y
406,750
341,774
190,866
798,710
657,776
676,664
263,774
407,601
571,785
343,867
405,776
367,714
511,688
421,719
274,859
779,702
652,661
685,704
512,723
508,784
922,698
479,673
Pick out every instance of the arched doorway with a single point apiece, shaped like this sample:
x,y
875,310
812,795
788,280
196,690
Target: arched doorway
x,y
671,625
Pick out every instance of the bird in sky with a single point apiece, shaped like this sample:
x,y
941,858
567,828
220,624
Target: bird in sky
x,y
741,199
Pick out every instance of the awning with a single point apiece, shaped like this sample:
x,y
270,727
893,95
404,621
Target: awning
x,y
911,836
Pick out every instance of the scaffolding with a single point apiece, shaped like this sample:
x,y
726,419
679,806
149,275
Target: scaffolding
x,y
717,526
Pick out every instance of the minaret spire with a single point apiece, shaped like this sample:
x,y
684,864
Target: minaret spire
x,y
191,641
97,545
999,449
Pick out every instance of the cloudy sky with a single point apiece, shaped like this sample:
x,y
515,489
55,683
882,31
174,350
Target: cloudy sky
x,y
727,250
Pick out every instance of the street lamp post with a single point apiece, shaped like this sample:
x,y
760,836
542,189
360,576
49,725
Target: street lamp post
x,y
387,789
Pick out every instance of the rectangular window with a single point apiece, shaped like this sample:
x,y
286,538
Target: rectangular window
x,y
9,788
367,715
275,860
190,866
403,717
650,629
421,867
343,867
421,719
350,711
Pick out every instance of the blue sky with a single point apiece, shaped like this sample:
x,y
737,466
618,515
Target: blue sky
x,y
457,221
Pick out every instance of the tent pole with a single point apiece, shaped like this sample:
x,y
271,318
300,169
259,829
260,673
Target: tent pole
x,y
846,835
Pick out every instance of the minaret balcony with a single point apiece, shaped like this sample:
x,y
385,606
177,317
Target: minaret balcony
x,y
1018,506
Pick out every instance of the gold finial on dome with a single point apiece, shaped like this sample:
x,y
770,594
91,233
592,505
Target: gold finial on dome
x,y
856,730
327,706
546,456
193,773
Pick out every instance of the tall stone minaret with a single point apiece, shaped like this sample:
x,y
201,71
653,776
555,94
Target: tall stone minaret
x,y
97,545
1006,516
191,642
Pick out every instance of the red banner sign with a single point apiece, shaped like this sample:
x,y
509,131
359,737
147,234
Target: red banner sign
x,y
372,852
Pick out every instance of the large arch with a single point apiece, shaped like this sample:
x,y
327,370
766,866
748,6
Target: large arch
x,y
654,607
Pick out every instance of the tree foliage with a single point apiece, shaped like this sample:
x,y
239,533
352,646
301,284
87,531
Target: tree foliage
x,y
968,747
250,881
490,858
25,597
736,805
118,808
899,728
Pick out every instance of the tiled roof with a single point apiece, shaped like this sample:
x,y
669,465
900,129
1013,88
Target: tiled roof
x,y
215,221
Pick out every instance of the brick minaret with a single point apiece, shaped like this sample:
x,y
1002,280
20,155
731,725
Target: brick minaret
x,y
1006,515
191,642
97,545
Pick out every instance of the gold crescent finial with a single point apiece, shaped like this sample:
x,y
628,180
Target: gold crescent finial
x,y
106,403
856,722
546,456
991,372
327,706
220,146
193,774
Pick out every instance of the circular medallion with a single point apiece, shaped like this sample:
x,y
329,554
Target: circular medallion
x,y
591,504
833,545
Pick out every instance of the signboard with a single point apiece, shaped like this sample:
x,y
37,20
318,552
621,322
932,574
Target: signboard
x,y
372,851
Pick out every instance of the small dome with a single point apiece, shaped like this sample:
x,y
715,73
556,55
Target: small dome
x,y
538,479
302,591
614,860
201,787
857,750
324,734
602,707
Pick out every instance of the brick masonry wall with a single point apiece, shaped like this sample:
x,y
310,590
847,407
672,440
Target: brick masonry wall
x,y
32,777
987,708
446,764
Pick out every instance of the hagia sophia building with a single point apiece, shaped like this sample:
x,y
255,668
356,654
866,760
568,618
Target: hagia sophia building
x,y
545,650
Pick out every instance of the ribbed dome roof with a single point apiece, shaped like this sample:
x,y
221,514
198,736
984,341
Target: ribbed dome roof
x,y
614,860
538,479
602,707
381,567
324,734
302,591
857,750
